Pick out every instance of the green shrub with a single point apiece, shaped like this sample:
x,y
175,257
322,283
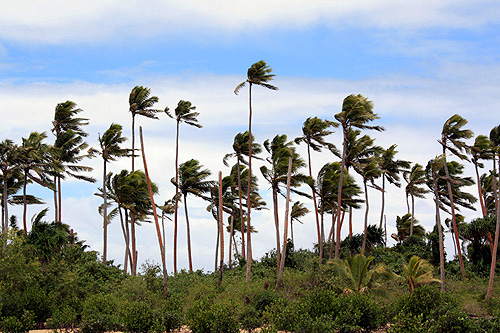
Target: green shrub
x,y
165,319
208,315
99,314
137,317
63,318
18,325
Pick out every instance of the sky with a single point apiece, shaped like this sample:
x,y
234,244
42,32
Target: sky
x,y
420,62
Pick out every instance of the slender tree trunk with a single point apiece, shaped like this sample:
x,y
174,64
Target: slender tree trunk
x,y
497,231
126,239
133,140
155,215
412,214
383,201
291,230
480,191
249,187
321,236
314,196
25,203
339,192
216,258
440,230
176,195
276,223
105,217
281,265
241,212
452,205
407,205
231,232
350,222
190,258
56,209
365,236
59,195
5,203
221,229
133,265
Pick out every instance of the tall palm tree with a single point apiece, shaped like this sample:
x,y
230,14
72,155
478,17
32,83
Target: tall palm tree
x,y
298,211
415,177
390,169
281,150
240,150
35,156
405,225
141,103
259,74
110,143
184,112
480,150
192,180
314,132
357,112
495,143
9,155
452,139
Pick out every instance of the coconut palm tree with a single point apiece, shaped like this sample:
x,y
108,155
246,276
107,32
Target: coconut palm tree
x,y
281,150
259,74
298,211
314,132
357,112
141,103
418,271
405,226
110,143
9,156
192,180
184,112
240,150
480,150
390,169
452,139
495,143
414,178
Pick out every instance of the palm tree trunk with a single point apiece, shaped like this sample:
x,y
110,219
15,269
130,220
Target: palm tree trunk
x,y
241,212
249,187
497,231
383,201
133,265
440,230
313,194
126,239
412,214
281,265
339,193
176,195
25,203
56,210
321,236
190,258
133,140
365,236
216,258
231,232
5,204
155,215
276,223
452,205
221,230
480,191
350,222
59,198
105,216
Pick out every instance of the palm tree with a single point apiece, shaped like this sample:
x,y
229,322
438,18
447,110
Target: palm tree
x,y
276,175
110,150
184,112
414,178
495,143
480,151
192,180
390,169
418,271
240,150
369,171
356,112
9,155
298,211
407,227
36,156
259,74
314,132
452,137
140,103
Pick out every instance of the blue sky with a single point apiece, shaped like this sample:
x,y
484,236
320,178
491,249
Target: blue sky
x,y
419,62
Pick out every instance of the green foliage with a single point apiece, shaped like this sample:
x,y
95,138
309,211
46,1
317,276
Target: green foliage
x,y
206,315
64,318
22,324
136,317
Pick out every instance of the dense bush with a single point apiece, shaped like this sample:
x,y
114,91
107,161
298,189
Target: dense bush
x,y
21,324
209,316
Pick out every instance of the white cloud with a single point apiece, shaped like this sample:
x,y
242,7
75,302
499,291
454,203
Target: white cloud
x,y
91,20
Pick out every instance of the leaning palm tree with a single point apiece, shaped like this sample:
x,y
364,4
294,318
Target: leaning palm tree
x,y
240,150
141,104
390,169
480,150
405,225
452,139
495,143
258,74
314,132
357,112
192,180
298,211
415,177
418,271
184,112
110,150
